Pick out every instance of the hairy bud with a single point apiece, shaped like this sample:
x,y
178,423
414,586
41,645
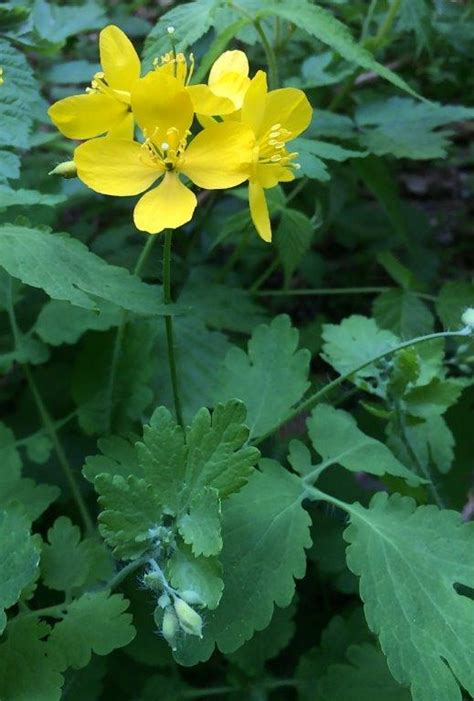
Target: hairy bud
x,y
170,627
189,620
67,169
468,318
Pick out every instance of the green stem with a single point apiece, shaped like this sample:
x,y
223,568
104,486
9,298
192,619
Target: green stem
x,y
143,257
169,324
57,425
313,399
300,185
270,56
126,571
235,255
264,276
334,291
61,455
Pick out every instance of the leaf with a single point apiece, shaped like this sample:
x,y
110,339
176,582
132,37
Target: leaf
x,y
26,671
201,525
453,299
411,561
66,270
324,26
336,437
57,23
406,129
61,322
434,398
27,198
96,622
19,555
65,560
415,15
363,677
403,313
272,361
190,21
202,575
293,239
265,533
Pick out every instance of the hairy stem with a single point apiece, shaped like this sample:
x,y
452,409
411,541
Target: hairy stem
x,y
169,324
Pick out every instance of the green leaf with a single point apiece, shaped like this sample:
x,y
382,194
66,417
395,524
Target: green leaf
x,y
201,525
56,23
26,671
96,622
364,676
202,575
411,561
265,533
403,313
27,198
65,559
415,15
66,270
453,299
434,398
61,322
293,239
433,443
406,129
336,437
19,554
324,26
190,21
272,361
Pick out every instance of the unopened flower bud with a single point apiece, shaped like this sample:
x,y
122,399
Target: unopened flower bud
x,y
170,627
468,318
164,600
152,580
65,170
191,597
189,620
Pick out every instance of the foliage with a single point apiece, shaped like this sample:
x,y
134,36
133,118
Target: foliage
x,y
234,468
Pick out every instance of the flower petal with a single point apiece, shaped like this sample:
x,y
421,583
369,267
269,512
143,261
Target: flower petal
x,y
253,107
220,156
167,206
207,103
88,115
233,86
115,166
119,59
270,174
229,62
259,211
123,129
159,103
288,107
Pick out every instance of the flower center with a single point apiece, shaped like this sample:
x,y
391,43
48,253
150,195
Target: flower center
x,y
272,147
176,65
100,85
166,148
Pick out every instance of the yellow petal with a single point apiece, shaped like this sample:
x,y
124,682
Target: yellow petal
x,y
233,86
160,103
123,129
288,107
207,103
220,156
229,62
253,107
115,166
270,174
119,59
167,206
259,211
88,115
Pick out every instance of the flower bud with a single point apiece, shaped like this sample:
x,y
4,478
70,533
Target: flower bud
x,y
189,620
152,580
164,600
191,597
170,627
468,318
67,169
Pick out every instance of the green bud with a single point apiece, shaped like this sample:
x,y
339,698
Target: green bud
x,y
152,580
468,317
67,169
164,600
170,627
191,597
189,620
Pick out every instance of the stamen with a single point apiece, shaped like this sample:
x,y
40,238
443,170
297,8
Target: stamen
x,y
165,146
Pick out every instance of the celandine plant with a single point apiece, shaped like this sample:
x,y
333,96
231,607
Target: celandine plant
x,y
262,489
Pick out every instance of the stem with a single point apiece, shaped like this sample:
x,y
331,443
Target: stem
x,y
264,276
270,56
317,396
61,455
235,255
143,257
169,324
125,571
334,291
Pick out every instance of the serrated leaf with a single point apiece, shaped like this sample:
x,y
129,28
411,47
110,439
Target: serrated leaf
x,y
272,361
190,21
293,239
403,313
96,622
61,322
119,457
19,555
336,437
434,398
26,671
364,676
27,198
66,270
406,129
56,22
202,575
410,561
312,154
65,560
265,533
453,299
201,525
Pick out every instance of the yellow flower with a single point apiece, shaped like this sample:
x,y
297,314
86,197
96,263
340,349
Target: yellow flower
x,y
227,84
275,117
217,158
1,76
105,106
